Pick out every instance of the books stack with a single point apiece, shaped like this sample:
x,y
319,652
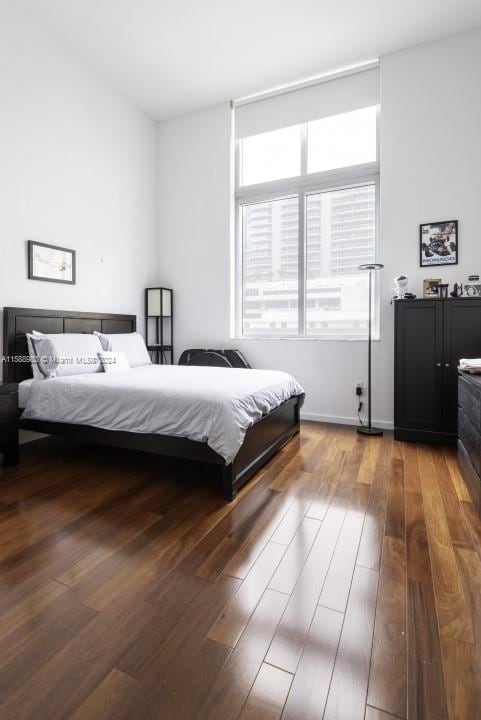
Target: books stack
x,y
472,366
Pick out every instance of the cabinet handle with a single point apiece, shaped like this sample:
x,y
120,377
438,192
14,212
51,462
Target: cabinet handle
x,y
438,364
446,365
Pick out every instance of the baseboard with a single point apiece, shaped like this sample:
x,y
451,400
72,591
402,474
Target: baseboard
x,y
342,420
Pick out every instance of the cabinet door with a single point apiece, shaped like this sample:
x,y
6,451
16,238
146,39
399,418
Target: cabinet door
x,y
462,339
418,364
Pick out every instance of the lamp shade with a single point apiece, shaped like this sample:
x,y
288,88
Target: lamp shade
x,y
153,302
159,302
371,266
166,302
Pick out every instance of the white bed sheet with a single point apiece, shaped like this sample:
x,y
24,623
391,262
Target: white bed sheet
x,y
208,404
24,392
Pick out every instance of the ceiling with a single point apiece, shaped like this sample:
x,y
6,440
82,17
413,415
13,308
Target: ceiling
x,y
178,56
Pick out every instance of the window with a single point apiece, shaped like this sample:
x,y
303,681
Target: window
x,y
270,267
340,236
306,219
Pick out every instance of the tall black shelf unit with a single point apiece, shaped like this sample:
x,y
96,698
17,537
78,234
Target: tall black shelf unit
x,y
431,336
159,321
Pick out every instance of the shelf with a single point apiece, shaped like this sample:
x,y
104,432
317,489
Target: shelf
x,y
159,328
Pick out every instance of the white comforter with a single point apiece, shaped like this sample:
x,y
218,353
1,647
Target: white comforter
x,y
208,404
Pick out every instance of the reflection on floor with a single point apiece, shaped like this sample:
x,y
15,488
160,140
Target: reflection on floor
x,y
344,582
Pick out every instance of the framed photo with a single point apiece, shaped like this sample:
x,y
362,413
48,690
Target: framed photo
x,y
438,243
472,289
431,287
50,263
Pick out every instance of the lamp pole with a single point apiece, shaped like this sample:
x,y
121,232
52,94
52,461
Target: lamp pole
x,y
369,429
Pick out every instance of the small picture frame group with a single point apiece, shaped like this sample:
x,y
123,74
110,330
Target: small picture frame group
x,y
472,290
438,243
431,287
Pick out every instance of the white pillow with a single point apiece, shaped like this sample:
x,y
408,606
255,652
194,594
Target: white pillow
x,y
114,361
64,354
132,344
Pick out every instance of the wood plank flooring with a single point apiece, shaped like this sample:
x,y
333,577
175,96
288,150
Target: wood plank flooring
x,y
343,583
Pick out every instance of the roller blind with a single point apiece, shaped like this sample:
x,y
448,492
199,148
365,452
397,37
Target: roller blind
x,y
329,97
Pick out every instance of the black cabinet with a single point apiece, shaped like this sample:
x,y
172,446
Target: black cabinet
x,y
430,338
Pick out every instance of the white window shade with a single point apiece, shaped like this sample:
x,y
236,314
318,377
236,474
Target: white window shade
x,y
330,97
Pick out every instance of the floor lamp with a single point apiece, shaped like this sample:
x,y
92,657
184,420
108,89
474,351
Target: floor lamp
x,y
369,429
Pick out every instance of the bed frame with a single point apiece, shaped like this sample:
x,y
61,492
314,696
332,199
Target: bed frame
x,y
261,442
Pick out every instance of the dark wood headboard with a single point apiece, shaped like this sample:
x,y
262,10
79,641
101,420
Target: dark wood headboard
x,y
19,321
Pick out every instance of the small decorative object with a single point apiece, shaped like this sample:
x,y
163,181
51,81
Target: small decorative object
x,y
400,286
369,429
438,243
50,263
430,287
159,307
457,290
472,290
443,290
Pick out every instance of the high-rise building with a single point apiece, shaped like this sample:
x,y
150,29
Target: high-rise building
x,y
340,235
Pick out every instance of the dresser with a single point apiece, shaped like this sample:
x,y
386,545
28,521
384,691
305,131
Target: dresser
x,y
430,338
9,423
469,434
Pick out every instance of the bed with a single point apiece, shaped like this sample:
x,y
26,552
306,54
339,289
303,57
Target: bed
x,y
267,419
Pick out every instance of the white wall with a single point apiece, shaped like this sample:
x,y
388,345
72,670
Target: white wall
x,y
431,151
430,170
77,169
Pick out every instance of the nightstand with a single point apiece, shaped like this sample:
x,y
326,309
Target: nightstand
x,y
9,423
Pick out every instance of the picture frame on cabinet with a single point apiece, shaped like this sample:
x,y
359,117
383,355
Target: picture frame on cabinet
x,y
472,289
431,287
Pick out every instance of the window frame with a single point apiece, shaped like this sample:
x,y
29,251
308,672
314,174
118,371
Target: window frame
x,y
302,185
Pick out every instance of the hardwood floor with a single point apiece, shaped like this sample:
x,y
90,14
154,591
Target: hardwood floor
x,y
344,583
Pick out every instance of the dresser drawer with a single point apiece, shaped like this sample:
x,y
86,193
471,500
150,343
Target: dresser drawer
x,y
469,399
470,476
470,437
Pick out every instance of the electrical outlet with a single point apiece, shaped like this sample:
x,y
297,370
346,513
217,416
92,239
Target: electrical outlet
x,y
359,389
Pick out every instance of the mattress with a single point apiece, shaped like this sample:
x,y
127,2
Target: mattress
x,y
206,404
24,392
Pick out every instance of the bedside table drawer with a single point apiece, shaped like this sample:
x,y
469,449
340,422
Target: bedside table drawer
x,y
9,424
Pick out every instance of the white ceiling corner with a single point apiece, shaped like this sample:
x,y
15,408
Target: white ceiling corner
x,y
175,57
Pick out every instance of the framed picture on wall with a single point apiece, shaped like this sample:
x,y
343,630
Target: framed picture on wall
x,y
50,263
438,243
